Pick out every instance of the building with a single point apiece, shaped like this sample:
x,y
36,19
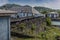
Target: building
x,y
5,24
36,13
52,15
25,11
55,20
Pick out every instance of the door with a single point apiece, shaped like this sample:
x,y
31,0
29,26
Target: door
x,y
4,30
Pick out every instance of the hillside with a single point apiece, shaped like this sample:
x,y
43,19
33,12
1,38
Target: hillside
x,y
8,6
40,9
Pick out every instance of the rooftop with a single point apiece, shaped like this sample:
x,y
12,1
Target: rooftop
x,y
25,9
6,12
53,13
34,11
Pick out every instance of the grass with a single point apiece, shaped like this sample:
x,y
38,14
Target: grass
x,y
49,34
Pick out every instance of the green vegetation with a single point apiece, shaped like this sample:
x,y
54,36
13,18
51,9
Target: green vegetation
x,y
21,26
42,9
33,27
58,11
51,33
48,21
44,12
8,6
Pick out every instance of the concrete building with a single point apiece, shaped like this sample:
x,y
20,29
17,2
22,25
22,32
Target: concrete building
x,y
5,24
25,11
52,15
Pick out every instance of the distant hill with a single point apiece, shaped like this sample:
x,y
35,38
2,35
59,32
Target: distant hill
x,y
8,6
40,9
15,6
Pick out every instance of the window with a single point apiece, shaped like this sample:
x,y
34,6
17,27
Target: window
x,y
20,14
17,16
36,15
25,14
13,16
29,14
52,15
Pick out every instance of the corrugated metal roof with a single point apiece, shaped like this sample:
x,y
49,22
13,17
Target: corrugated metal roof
x,y
53,12
22,9
7,11
25,9
34,11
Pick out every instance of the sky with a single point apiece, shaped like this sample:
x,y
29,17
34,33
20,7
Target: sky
x,y
55,4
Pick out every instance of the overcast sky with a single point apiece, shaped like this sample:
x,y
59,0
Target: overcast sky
x,y
45,3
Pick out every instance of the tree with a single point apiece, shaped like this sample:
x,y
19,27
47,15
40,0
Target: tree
x,y
44,12
21,26
33,27
58,11
48,21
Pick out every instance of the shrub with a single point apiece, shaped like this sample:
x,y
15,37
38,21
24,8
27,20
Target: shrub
x,y
44,12
33,27
21,26
48,21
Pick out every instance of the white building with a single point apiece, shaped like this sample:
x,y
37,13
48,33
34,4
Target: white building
x,y
25,11
52,15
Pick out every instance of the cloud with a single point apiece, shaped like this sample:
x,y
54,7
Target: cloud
x,y
53,4
2,2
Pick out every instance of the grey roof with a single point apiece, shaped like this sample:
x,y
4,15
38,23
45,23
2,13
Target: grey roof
x,y
52,13
34,11
26,9
7,11
21,9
